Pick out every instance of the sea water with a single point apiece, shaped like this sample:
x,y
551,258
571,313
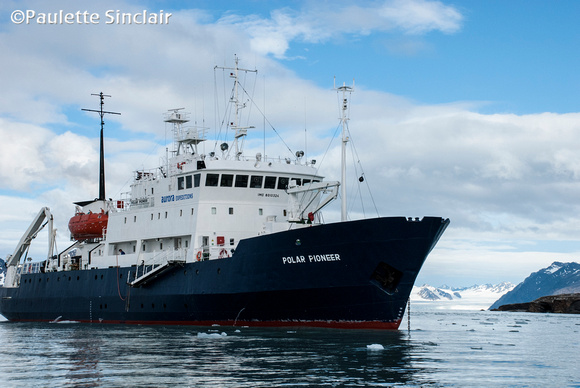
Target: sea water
x,y
442,348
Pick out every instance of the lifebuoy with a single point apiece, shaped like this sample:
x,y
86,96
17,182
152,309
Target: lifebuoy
x,y
223,253
198,256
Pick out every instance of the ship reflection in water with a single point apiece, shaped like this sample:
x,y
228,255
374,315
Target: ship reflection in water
x,y
441,349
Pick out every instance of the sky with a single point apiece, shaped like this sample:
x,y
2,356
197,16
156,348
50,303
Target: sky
x,y
467,110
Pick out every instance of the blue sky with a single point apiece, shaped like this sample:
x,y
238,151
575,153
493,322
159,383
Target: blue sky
x,y
467,110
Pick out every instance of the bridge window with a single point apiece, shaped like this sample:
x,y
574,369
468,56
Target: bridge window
x,y
227,180
256,182
270,182
188,183
180,183
212,179
283,183
196,179
241,181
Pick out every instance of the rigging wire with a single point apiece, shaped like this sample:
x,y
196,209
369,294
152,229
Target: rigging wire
x,y
362,175
268,121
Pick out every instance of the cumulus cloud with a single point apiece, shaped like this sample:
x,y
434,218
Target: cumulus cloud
x,y
319,22
492,174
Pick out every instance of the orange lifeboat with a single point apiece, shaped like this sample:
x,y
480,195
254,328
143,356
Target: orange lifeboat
x,y
85,226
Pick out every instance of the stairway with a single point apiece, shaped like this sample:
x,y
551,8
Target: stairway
x,y
155,272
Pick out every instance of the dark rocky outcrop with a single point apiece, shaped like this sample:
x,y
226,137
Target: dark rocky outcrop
x,y
564,303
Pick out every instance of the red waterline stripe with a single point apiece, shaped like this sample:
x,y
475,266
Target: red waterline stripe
x,y
360,325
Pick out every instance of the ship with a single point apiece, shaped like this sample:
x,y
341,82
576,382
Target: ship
x,y
222,238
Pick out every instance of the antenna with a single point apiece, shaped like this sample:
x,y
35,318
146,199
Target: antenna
x,y
241,132
102,113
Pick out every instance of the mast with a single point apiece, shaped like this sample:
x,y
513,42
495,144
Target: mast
x,y
102,113
240,132
344,120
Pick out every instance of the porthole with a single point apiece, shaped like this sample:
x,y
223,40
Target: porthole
x,y
219,271
95,277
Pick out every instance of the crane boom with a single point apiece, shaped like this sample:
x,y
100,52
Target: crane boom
x,y
42,218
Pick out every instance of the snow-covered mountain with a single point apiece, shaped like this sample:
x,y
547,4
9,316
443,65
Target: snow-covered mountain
x,y
2,271
476,297
558,278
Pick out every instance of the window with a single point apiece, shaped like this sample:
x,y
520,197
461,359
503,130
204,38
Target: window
x,y
134,218
227,180
151,216
161,245
305,181
188,182
231,210
152,191
270,182
298,181
212,179
241,181
125,220
260,212
283,183
231,241
196,179
180,183
256,181
191,211
213,210
165,214
180,212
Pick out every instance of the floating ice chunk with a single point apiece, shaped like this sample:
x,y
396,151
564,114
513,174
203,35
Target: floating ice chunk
x,y
211,335
375,347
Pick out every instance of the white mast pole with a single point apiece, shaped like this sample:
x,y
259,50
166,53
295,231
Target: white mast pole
x,y
239,131
344,119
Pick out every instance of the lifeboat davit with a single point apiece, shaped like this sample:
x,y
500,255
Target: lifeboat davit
x,y
85,226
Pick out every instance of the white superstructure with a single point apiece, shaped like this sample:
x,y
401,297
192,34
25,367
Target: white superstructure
x,y
199,206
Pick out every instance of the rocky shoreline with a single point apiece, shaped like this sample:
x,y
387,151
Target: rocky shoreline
x,y
564,304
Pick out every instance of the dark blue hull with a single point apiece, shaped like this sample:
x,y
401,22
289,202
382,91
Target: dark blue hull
x,y
356,274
